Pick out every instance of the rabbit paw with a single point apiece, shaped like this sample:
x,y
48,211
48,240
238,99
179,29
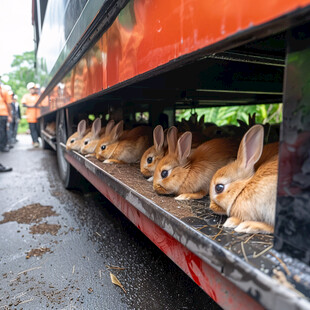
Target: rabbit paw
x,y
189,196
183,197
108,161
252,227
112,161
232,222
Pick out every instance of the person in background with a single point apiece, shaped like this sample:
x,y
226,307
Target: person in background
x,y
29,101
16,116
5,116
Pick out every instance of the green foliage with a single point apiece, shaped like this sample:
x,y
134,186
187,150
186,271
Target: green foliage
x,y
270,113
22,73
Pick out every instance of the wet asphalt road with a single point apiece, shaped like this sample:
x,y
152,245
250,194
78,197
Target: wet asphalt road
x,y
91,234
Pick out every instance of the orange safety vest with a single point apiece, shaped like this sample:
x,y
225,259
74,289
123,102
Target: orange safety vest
x,y
4,100
31,113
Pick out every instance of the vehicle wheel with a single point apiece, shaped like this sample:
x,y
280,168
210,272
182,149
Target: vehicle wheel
x,y
44,144
69,176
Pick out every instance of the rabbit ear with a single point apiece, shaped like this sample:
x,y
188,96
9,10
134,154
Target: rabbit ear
x,y
117,130
252,119
184,146
172,137
96,127
81,128
251,146
158,136
109,127
165,138
201,120
242,123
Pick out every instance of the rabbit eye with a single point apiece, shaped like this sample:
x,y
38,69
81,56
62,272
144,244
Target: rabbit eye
x,y
72,140
103,147
149,160
219,188
164,174
86,142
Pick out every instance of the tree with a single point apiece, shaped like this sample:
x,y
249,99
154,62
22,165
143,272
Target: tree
x,y
23,72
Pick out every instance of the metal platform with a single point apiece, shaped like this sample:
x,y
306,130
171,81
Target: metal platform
x,y
50,139
237,270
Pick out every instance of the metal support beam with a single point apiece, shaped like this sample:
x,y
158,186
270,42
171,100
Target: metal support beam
x,y
293,207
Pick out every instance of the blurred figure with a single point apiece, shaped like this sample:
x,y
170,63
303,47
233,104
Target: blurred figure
x,y
29,101
16,116
5,116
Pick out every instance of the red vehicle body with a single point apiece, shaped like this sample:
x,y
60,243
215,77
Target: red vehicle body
x,y
144,55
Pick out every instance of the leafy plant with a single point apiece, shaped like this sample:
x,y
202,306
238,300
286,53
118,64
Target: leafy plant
x,y
271,113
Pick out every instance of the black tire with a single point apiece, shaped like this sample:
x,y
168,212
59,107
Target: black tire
x,y
69,176
45,145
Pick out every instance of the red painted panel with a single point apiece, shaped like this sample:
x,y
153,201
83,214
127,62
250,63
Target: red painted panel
x,y
226,294
150,33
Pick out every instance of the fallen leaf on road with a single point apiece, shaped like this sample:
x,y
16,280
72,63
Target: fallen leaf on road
x,y
116,281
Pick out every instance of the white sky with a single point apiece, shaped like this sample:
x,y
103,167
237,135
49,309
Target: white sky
x,y
16,31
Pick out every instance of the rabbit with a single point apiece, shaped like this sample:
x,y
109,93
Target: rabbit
x,y
74,142
189,175
90,141
51,128
245,189
154,154
119,146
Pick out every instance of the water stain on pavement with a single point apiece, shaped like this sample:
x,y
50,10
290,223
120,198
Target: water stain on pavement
x,y
33,213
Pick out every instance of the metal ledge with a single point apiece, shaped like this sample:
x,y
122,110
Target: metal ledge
x,y
273,279
51,140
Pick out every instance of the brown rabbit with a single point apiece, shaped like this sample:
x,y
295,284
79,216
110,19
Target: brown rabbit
x,y
154,154
119,146
245,190
90,141
74,142
189,175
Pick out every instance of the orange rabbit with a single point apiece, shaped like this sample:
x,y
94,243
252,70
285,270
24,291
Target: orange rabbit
x,y
119,146
188,175
90,141
74,142
154,154
245,190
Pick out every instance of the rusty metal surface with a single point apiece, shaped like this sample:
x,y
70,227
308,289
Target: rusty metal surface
x,y
249,261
